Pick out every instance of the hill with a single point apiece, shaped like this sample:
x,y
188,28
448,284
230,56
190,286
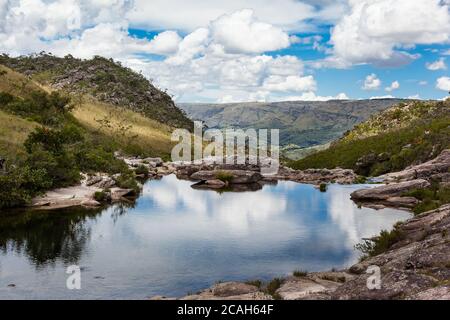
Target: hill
x,y
105,80
48,137
406,134
301,123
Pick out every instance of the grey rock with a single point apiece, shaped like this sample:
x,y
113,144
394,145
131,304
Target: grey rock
x,y
237,176
388,191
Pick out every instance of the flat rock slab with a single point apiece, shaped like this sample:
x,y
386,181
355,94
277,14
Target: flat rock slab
x,y
389,191
236,176
302,288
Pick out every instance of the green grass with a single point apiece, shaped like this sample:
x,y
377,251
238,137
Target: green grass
x,y
381,243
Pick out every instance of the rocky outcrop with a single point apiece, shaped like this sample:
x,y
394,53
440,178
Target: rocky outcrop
x,y
416,267
390,195
436,169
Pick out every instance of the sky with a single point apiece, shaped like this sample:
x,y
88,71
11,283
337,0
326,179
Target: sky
x,y
219,51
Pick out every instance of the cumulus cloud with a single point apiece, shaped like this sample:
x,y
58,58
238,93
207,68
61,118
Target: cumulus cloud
x,y
240,32
166,42
184,15
443,83
394,86
436,65
375,31
371,82
290,83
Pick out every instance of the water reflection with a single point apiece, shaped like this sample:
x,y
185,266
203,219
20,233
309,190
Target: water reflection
x,y
176,239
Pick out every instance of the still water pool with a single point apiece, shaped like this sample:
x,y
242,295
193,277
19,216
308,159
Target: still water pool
x,y
176,240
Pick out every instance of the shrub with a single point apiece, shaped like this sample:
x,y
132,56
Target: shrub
x,y
273,286
381,243
256,283
142,170
224,176
100,196
127,180
20,185
323,187
300,273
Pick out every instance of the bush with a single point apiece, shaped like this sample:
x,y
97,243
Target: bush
x,y
101,196
273,286
142,170
323,187
300,273
127,180
20,185
381,243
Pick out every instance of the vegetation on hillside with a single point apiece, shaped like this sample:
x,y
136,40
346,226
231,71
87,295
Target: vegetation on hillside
x,y
48,137
404,135
104,79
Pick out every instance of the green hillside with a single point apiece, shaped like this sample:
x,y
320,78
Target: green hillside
x,y
48,137
406,134
104,79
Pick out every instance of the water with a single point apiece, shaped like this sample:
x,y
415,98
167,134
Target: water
x,y
178,240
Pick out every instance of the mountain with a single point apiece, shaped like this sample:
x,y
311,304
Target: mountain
x,y
301,123
406,134
105,80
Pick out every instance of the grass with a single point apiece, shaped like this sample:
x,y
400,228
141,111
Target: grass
x,y
16,84
224,176
300,273
134,133
13,133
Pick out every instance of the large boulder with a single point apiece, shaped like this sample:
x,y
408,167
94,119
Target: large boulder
x,y
388,191
231,176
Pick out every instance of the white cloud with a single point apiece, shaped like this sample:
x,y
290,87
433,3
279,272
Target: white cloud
x,y
394,86
184,15
289,83
166,42
240,32
376,31
436,65
311,96
423,83
382,97
443,83
415,97
371,82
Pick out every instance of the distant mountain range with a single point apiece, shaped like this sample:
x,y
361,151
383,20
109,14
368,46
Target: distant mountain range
x,y
301,123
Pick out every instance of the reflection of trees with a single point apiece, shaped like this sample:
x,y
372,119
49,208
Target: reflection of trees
x,y
119,209
47,236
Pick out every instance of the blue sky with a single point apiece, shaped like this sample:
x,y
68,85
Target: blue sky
x,y
249,50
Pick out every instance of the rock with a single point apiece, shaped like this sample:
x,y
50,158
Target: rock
x,y
227,289
215,184
299,288
236,176
388,191
90,203
426,170
118,193
402,202
154,162
415,267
